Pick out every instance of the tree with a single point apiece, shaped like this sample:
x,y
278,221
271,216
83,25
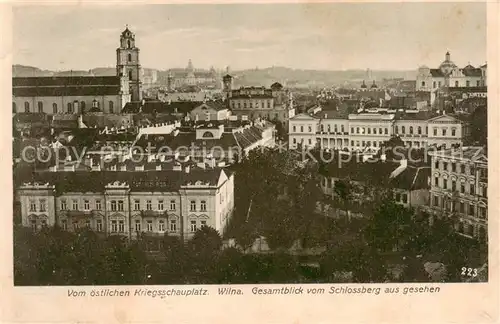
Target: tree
x,y
203,251
479,126
206,240
175,260
343,190
389,227
231,268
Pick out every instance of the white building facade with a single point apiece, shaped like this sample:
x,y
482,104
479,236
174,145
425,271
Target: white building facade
x,y
358,132
154,203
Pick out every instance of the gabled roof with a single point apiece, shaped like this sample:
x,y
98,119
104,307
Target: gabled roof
x,y
302,116
378,174
472,72
444,118
216,105
437,73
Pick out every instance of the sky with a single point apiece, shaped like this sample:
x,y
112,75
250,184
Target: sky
x,y
327,36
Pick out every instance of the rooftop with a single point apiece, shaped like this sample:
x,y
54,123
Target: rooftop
x,y
81,181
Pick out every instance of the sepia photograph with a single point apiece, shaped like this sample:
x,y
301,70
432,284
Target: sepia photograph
x,y
249,144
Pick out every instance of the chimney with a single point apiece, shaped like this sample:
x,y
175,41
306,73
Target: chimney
x,y
187,169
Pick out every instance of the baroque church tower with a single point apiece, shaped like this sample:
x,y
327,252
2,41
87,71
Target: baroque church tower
x,y
127,63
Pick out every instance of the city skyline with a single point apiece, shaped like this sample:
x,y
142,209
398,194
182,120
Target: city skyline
x,y
246,36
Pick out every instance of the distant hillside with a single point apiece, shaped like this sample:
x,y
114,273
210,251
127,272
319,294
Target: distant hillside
x,y
265,77
29,71
311,77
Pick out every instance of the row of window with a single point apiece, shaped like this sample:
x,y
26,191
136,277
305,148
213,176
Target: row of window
x,y
453,167
118,226
468,229
471,191
238,104
161,225
457,83
98,225
118,205
460,207
403,130
368,130
42,205
71,107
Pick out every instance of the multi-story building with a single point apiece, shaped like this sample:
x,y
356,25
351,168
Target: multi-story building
x,y
129,203
275,103
448,74
459,189
80,94
408,182
189,76
362,131
69,95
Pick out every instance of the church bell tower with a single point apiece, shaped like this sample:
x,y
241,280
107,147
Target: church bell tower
x,y
127,63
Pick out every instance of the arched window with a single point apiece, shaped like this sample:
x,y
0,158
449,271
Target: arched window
x,y
411,129
75,106
456,83
26,107
130,57
54,108
40,107
70,108
111,107
129,44
419,130
208,134
130,75
402,129
14,107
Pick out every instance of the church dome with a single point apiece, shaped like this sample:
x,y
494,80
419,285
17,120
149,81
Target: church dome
x,y
447,66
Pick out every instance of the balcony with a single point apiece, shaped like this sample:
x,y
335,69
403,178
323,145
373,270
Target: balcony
x,y
153,213
80,213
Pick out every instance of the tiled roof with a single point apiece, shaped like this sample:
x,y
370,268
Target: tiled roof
x,y
183,107
377,174
217,105
437,73
468,89
31,118
65,86
64,124
248,96
332,114
472,72
185,140
412,178
421,115
65,81
468,152
137,180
